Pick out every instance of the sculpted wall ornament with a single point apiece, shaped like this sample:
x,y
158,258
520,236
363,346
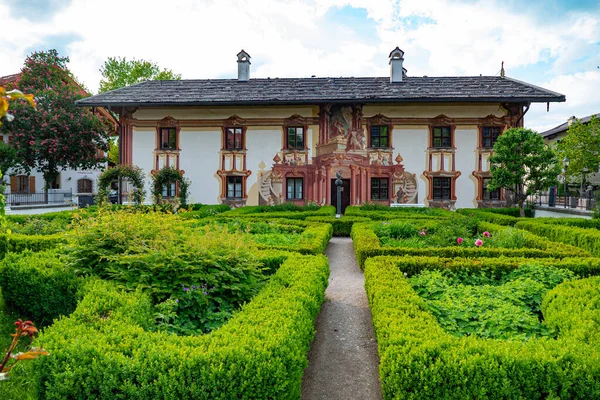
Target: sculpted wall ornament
x,y
234,120
168,122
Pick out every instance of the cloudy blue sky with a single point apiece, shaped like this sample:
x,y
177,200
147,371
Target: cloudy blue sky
x,y
553,43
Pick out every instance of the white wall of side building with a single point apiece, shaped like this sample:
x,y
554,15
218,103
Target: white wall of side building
x,y
465,140
199,158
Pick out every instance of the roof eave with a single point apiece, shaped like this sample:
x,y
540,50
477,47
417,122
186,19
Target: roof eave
x,y
84,103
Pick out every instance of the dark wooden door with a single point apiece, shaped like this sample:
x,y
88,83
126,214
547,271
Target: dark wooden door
x,y
345,194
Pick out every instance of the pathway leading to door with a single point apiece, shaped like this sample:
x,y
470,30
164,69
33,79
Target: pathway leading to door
x,y
343,361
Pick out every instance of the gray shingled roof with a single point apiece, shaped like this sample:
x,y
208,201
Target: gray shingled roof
x,y
322,90
564,126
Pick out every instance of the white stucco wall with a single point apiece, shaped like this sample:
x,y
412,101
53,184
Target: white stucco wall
x,y
465,140
144,142
200,161
412,143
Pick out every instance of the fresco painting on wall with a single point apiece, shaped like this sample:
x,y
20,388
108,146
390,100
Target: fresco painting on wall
x,y
340,121
405,188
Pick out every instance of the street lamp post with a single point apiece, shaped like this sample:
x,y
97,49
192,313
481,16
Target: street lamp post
x,y
566,165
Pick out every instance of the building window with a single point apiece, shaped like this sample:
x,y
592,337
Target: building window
x,y
441,137
84,186
489,194
489,135
234,187
442,188
294,188
22,184
168,189
379,136
295,138
168,138
234,139
379,188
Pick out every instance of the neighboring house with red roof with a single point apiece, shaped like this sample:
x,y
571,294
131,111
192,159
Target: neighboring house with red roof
x,y
393,140
24,189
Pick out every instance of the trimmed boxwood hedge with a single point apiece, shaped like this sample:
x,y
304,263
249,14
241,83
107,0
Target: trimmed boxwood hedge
x,y
500,219
419,360
382,213
16,243
38,285
341,226
313,240
287,211
104,350
575,222
413,265
587,239
367,244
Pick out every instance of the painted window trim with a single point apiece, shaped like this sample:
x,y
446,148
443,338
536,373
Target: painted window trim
x,y
389,136
379,179
224,143
167,123
451,188
287,181
286,144
481,139
483,191
242,187
379,120
432,129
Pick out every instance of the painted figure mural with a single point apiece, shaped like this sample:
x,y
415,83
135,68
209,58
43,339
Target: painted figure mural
x,y
340,121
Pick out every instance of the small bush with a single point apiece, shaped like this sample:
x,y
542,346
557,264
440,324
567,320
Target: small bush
x,y
39,285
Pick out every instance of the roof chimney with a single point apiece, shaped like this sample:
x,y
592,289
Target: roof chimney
x,y
571,120
396,70
243,66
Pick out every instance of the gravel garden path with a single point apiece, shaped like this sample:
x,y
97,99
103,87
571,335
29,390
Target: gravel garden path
x,y
343,361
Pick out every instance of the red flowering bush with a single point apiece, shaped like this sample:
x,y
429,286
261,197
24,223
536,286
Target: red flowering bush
x,y
10,360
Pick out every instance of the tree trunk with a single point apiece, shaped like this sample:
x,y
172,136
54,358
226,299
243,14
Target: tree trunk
x,y
49,176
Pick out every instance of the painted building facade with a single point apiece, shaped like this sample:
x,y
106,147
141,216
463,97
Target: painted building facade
x,y
394,140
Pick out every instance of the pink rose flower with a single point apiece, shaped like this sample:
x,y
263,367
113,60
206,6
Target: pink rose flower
x,y
486,234
459,240
478,242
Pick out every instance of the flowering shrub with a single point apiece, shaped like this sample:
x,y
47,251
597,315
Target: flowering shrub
x,y
170,259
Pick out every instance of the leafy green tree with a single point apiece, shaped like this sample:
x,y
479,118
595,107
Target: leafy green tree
x,y
8,158
119,72
582,147
113,152
523,164
58,135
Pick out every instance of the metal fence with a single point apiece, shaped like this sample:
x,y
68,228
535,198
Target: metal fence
x,y
572,202
54,196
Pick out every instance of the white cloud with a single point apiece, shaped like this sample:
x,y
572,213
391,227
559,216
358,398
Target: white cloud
x,y
287,38
581,91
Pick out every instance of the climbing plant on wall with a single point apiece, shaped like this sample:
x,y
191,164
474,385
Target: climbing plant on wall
x,y
133,174
168,176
